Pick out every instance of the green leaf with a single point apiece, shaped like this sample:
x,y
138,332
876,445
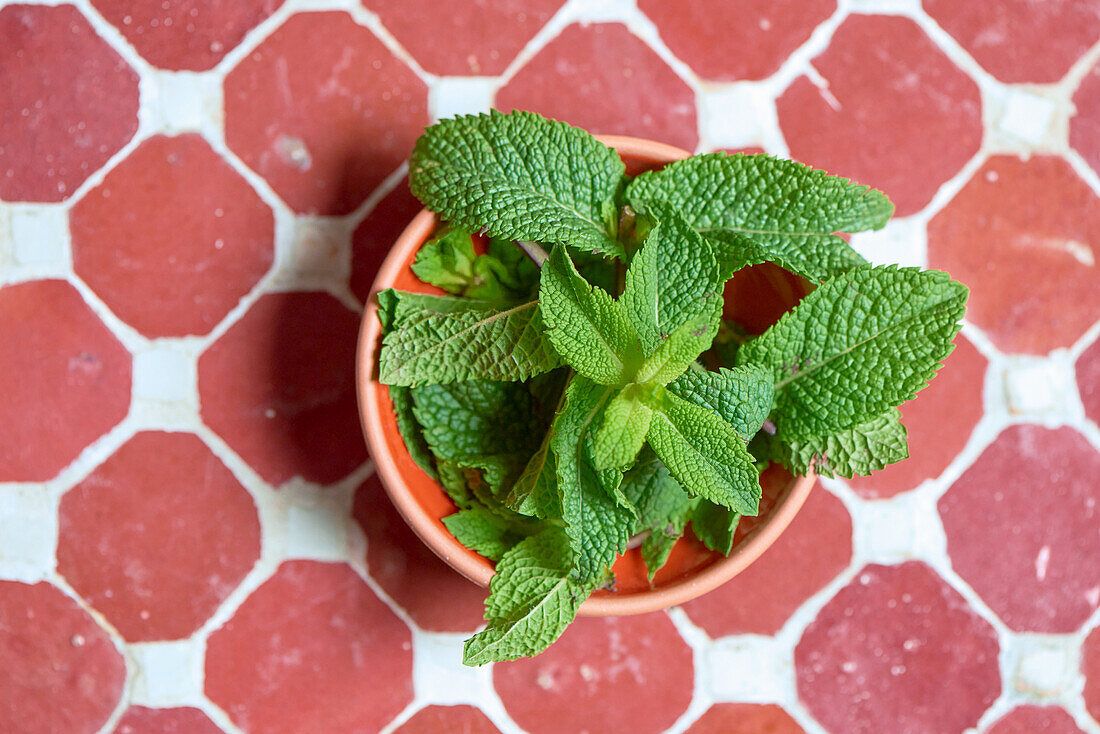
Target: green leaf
x,y
441,341
857,346
410,430
759,207
623,425
705,454
598,524
532,598
683,346
492,426
486,532
663,509
715,526
448,261
455,483
522,177
586,326
742,396
535,492
672,279
859,450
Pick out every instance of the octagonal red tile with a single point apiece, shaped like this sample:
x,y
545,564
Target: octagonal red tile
x,y
897,650
1012,220
604,675
1088,380
323,111
890,97
192,35
376,234
159,522
1021,528
54,133
483,38
172,238
809,554
938,422
61,672
142,720
312,649
604,79
1035,720
1019,40
745,718
1090,666
458,719
279,387
67,379
727,41
1084,126
436,597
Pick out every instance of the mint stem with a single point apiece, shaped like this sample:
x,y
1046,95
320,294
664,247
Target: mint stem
x,y
534,251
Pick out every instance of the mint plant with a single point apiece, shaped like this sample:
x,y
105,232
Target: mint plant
x,y
569,393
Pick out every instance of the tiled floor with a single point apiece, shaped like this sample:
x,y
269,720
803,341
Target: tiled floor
x,y
194,196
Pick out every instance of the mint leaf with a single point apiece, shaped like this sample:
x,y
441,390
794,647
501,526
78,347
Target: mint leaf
x,y
486,532
715,526
586,326
442,342
857,346
453,479
410,430
672,279
598,525
742,396
683,346
532,598
448,261
535,492
753,207
522,177
623,425
705,454
859,450
663,509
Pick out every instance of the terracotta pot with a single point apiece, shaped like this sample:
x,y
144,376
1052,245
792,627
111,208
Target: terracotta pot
x,y
757,296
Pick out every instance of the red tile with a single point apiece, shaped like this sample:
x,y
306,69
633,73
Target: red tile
x,y
61,672
1019,234
745,718
172,238
811,552
55,131
939,422
603,78
436,597
1019,40
1088,380
891,97
1084,126
457,719
725,41
897,650
484,35
1030,719
1021,528
376,234
192,35
323,111
141,720
66,379
312,650
1090,667
279,387
158,536
583,681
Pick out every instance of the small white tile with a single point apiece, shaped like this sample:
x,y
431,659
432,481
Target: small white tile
x,y
1038,387
749,668
317,254
450,96
439,675
168,673
185,101
317,530
1043,667
164,374
28,532
732,115
900,242
896,529
40,236
1026,116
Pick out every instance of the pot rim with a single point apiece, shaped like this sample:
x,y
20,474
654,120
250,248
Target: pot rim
x,y
442,543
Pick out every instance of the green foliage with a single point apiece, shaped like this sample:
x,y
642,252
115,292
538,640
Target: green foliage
x,y
448,261
858,450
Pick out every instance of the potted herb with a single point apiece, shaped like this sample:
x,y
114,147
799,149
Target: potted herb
x,y
572,385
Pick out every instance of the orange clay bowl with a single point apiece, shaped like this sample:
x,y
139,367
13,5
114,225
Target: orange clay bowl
x,y
756,297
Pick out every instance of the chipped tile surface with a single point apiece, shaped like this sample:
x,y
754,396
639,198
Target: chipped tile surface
x,y
195,198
